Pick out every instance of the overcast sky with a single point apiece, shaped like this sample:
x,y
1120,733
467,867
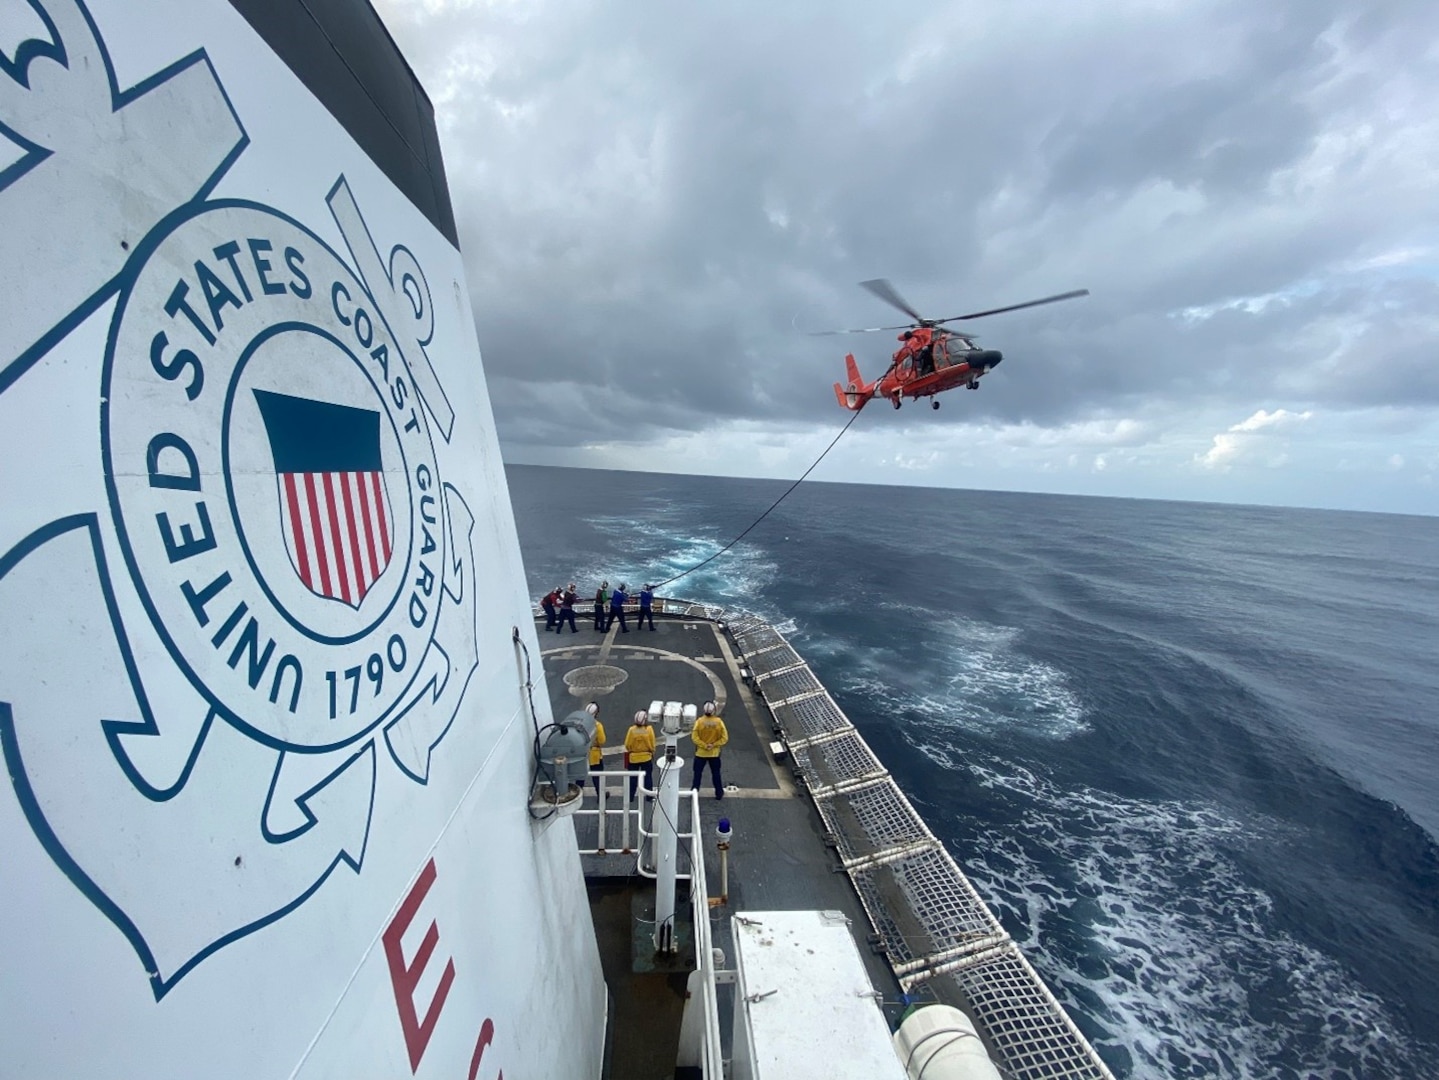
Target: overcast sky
x,y
656,201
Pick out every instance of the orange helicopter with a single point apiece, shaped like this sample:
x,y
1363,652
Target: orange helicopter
x,y
932,357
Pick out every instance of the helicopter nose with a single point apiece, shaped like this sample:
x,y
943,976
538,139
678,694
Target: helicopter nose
x,y
987,358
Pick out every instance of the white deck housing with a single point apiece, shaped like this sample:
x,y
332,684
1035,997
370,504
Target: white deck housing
x,y
804,1005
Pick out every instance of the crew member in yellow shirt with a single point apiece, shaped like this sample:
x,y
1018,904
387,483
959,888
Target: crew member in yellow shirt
x,y
597,740
640,749
710,736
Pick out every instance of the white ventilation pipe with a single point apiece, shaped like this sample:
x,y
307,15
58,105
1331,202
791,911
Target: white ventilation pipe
x,y
938,1042
666,824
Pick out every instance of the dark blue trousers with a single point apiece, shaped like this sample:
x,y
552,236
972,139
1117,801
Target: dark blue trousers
x,y
714,764
648,768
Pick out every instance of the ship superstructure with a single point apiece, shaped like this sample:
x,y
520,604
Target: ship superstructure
x,y
262,710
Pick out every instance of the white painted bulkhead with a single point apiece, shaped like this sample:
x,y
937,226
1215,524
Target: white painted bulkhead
x,y
216,858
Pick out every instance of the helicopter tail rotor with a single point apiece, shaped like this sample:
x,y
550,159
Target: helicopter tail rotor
x,y
854,394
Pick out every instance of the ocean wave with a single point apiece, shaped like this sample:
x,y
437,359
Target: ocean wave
x,y
1205,655
1154,931
969,676
665,547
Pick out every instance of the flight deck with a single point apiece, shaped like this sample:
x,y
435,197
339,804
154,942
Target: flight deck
x,y
816,824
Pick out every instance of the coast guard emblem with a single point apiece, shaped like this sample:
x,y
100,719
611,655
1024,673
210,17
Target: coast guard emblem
x,y
275,384
226,612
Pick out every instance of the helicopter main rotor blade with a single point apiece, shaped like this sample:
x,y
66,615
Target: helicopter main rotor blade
x,y
866,330
886,292
1015,307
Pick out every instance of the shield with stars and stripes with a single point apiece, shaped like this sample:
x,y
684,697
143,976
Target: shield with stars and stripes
x,y
334,513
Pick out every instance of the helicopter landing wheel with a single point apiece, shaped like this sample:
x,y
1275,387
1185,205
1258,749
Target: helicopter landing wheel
x,y
934,404
896,402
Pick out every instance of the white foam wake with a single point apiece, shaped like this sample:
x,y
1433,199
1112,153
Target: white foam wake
x,y
960,674
668,544
1160,938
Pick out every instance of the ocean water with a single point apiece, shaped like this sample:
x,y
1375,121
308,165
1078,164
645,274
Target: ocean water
x,y
1187,752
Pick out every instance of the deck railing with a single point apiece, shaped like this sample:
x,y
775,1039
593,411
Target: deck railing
x,y
619,815
927,917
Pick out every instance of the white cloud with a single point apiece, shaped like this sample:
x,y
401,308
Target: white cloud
x,y
666,205
1242,440
1225,448
1404,256
1263,419
1105,431
918,462
777,217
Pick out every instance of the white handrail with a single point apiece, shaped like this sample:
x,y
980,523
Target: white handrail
x,y
603,813
712,1054
712,1064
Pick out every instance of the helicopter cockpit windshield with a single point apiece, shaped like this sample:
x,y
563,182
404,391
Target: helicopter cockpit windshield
x,y
953,349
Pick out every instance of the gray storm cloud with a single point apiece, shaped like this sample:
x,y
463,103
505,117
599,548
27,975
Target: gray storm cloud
x,y
657,203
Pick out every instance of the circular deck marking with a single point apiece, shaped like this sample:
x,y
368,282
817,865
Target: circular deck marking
x,y
596,679
716,684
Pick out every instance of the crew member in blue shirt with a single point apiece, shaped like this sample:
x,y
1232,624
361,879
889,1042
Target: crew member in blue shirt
x,y
618,599
647,599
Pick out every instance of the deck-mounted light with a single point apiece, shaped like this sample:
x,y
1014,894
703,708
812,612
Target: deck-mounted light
x,y
563,763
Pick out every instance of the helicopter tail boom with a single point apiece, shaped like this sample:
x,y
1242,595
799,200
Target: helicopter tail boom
x,y
856,392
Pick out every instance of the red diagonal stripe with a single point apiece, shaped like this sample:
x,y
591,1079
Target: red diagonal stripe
x,y
317,530
354,549
364,487
297,529
335,537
